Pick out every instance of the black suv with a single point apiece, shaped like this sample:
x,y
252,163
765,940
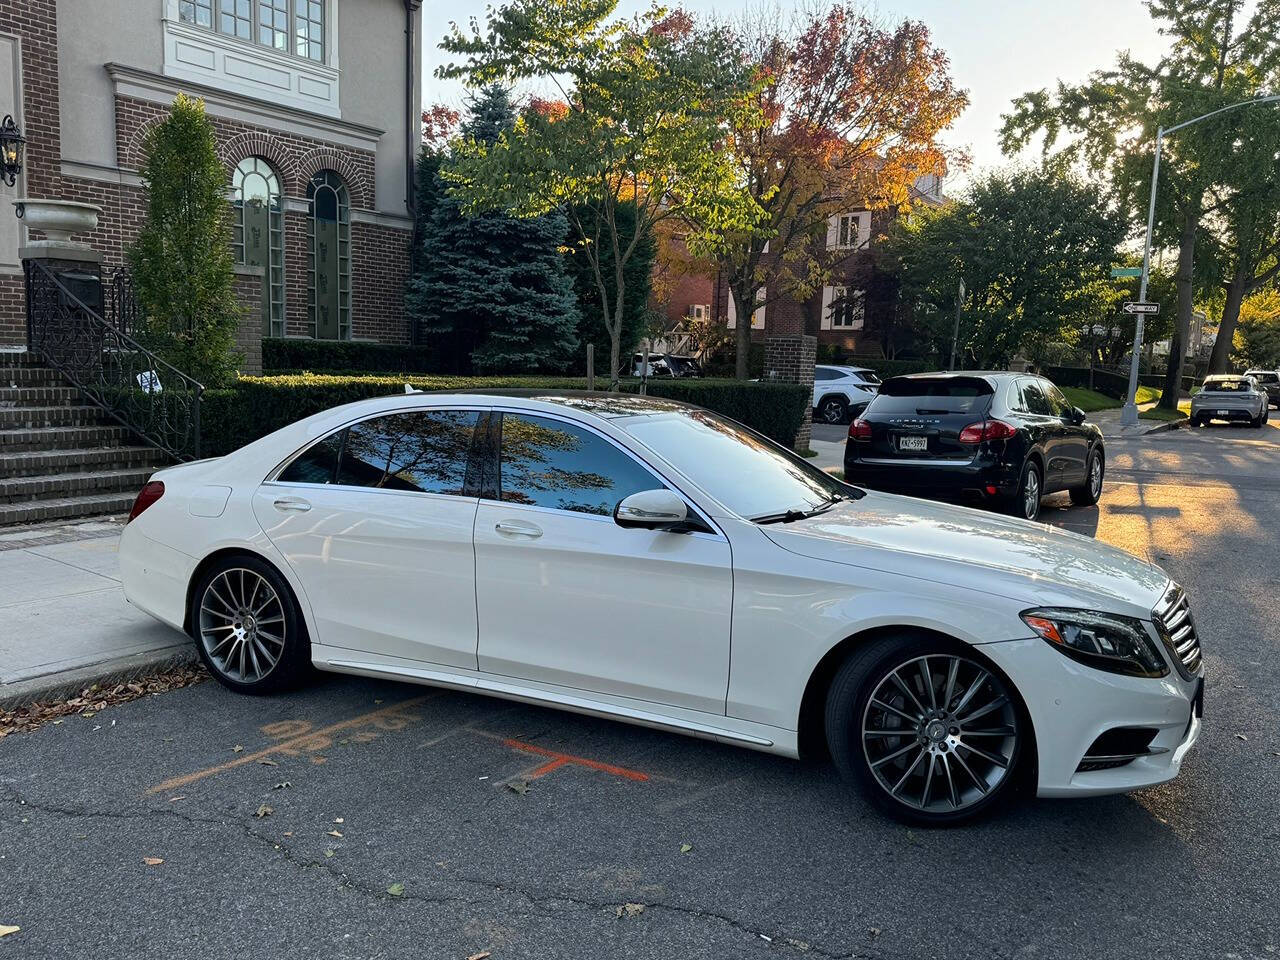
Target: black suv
x,y
1003,438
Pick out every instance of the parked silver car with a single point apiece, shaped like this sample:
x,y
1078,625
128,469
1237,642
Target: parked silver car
x,y
1230,397
1269,380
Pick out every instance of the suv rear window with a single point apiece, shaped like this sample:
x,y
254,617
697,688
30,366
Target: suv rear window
x,y
920,395
1227,386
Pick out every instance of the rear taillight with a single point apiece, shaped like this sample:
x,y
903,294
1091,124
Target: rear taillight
x,y
860,430
152,492
987,430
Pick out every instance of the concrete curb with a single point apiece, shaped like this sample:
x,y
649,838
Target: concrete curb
x,y
1167,425
108,673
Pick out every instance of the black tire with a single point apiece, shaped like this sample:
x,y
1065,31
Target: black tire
x,y
1089,492
236,607
1021,504
851,709
833,410
1198,422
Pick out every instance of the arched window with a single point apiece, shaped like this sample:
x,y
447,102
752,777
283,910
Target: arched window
x,y
258,237
329,263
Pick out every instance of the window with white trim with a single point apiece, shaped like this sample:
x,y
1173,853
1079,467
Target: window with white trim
x,y
842,308
289,26
757,318
849,231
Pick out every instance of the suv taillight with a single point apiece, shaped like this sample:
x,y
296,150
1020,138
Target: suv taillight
x,y
149,494
987,430
860,430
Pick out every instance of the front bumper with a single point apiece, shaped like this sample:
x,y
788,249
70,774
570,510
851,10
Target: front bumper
x,y
983,477
1071,705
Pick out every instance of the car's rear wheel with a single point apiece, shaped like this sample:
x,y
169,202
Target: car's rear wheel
x,y
1089,492
1025,502
833,410
930,732
247,626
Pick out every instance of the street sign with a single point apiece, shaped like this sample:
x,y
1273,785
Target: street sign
x,y
1135,307
1119,272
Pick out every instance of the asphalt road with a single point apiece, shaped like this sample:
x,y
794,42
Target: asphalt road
x,y
730,853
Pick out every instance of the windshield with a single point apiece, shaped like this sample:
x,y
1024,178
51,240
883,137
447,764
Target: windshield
x,y
747,473
913,396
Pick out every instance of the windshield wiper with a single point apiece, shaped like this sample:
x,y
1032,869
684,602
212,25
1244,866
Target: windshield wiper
x,y
791,516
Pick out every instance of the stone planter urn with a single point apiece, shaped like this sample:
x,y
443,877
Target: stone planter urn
x,y
58,219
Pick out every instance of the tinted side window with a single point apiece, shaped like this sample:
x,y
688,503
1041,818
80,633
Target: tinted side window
x,y
1057,401
821,373
423,451
549,463
316,464
1034,400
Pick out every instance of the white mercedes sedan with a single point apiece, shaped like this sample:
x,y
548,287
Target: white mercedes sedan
x,y
651,562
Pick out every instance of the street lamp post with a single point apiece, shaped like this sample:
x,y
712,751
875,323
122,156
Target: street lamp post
x,y
1129,415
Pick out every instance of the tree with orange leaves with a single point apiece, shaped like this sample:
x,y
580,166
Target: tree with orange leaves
x,y
852,112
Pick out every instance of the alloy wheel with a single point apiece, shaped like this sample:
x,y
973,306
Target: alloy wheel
x,y
1031,495
242,625
832,411
1095,477
940,733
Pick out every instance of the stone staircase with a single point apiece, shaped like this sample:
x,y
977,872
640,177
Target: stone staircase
x,y
61,458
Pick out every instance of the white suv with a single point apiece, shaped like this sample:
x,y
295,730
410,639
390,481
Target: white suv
x,y
842,393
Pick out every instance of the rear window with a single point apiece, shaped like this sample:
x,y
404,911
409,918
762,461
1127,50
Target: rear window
x,y
1266,377
1227,386
915,396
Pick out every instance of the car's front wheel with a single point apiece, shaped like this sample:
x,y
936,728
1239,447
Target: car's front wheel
x,y
247,626
929,731
833,410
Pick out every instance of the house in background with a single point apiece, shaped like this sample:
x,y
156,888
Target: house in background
x,y
316,106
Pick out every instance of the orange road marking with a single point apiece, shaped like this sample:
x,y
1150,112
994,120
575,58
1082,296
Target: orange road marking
x,y
559,760
306,739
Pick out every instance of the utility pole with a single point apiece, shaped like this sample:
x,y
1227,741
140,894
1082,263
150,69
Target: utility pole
x,y
955,333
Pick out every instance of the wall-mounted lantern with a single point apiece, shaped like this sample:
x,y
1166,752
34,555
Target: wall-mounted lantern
x,y
11,143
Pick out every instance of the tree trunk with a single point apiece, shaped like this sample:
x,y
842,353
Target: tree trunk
x,y
1236,290
615,349
1186,302
742,338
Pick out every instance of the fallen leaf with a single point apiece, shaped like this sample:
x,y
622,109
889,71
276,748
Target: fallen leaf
x,y
686,847
329,853
334,833
5,931
87,713
176,799
518,786
153,861
268,763
396,889
630,910
798,944
282,785
1241,736
264,811
338,820
237,749
874,931
482,955
319,759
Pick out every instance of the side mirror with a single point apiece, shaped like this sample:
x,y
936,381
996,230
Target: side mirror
x,y
1077,416
651,510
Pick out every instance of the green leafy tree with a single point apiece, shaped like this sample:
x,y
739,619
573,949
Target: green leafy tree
x,y
181,261
1257,337
1033,248
645,107
637,284
1108,124
491,291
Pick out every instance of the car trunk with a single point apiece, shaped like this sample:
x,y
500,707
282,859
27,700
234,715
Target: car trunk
x,y
921,418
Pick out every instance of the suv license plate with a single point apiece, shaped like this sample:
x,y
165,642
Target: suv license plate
x,y
913,443
1224,413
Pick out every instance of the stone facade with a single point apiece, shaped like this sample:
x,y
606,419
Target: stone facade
x,y
789,358
380,229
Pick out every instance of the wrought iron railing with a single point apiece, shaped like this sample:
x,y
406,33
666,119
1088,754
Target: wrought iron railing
x,y
119,303
112,369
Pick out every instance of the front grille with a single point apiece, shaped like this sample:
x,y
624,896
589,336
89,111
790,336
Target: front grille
x,y
1177,629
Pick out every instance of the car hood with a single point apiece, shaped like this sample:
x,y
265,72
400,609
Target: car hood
x,y
1017,559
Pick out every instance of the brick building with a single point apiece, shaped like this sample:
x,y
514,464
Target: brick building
x,y
316,107
853,311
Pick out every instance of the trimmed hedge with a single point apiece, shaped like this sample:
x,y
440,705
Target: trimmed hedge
x,y
257,406
283,353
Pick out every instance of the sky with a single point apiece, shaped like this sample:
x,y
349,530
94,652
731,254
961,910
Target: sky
x,y
999,49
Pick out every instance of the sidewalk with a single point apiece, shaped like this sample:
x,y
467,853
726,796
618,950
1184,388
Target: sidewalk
x,y
1108,422
65,621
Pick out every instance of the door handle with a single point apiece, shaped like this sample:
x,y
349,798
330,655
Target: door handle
x,y
292,503
510,528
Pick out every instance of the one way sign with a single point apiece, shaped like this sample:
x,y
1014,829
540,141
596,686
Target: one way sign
x,y
1134,307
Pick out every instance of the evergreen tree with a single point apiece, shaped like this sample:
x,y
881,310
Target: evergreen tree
x,y
491,293
638,279
181,260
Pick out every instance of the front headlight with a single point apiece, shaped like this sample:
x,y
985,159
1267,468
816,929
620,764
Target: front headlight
x,y
1106,641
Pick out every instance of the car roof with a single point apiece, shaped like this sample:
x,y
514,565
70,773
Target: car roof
x,y
841,366
599,403
949,374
